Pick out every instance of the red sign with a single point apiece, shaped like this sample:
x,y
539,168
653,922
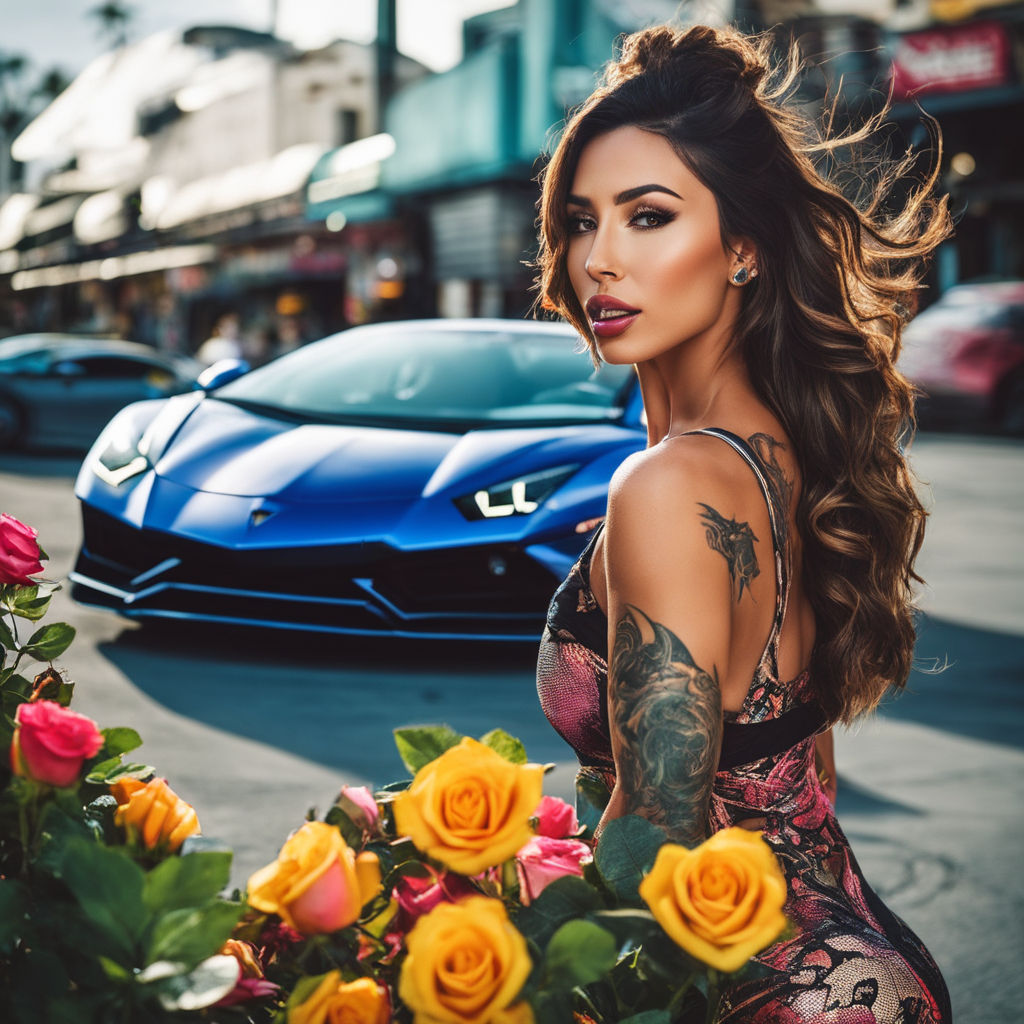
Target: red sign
x,y
950,60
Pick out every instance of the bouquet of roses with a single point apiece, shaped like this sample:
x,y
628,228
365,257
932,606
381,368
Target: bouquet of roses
x,y
460,895
466,896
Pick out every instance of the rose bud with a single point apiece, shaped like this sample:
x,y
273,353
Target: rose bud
x,y
358,803
19,552
556,818
153,813
51,743
317,884
544,859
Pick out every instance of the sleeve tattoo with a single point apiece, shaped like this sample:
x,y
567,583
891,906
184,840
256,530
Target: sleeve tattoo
x,y
734,541
668,713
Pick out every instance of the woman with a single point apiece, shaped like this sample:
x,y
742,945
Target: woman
x,y
752,576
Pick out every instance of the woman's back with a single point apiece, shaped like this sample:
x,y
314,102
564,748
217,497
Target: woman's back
x,y
849,949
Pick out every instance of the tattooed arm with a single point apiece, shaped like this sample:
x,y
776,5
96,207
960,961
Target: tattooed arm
x,y
670,599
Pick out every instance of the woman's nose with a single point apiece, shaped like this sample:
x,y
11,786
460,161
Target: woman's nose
x,y
602,262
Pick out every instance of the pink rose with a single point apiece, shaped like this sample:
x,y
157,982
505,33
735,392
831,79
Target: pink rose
x,y
544,859
50,742
358,803
418,896
556,818
19,552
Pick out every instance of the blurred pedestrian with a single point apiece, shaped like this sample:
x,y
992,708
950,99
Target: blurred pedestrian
x,y
224,343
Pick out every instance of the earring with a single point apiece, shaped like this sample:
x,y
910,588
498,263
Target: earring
x,y
741,276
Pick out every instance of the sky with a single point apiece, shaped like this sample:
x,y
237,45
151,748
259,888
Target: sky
x,y
61,32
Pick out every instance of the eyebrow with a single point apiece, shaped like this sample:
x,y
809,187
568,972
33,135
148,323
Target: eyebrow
x,y
626,197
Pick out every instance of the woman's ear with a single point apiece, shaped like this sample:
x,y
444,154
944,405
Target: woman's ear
x,y
744,257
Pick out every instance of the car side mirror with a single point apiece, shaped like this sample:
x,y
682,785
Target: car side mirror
x,y
220,373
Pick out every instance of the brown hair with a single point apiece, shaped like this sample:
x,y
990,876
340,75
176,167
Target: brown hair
x,y
819,327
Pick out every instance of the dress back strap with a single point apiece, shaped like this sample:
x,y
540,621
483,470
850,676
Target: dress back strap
x,y
777,519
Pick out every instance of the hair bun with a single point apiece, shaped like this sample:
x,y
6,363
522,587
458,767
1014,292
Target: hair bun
x,y
722,54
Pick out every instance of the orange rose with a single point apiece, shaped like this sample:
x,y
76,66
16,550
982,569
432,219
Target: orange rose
x,y
470,809
721,902
153,812
466,964
337,1002
317,884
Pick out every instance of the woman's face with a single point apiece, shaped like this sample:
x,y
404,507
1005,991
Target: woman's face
x,y
644,239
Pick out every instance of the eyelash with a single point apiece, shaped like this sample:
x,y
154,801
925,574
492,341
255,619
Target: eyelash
x,y
575,221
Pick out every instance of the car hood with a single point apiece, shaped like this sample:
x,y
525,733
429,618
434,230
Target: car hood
x,y
224,449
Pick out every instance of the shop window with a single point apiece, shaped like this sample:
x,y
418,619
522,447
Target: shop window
x,y
348,126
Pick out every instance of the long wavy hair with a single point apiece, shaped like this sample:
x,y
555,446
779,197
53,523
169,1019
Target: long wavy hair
x,y
819,327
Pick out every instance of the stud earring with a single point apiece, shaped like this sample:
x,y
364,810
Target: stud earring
x,y
740,276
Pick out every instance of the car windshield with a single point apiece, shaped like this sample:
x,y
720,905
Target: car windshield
x,y
477,376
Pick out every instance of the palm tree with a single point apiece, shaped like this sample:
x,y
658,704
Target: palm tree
x,y
13,111
51,84
113,19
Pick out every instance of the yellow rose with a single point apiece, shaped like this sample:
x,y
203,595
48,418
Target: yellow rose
x,y
317,884
465,965
469,808
337,1002
721,902
153,812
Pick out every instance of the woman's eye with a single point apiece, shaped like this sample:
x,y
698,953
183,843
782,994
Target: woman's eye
x,y
578,224
646,219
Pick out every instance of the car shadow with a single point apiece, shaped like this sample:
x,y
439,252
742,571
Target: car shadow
x,y
335,700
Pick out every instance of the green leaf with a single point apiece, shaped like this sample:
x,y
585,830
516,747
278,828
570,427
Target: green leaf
x,y
418,745
629,926
189,935
6,636
113,768
508,746
50,642
108,887
565,899
30,602
592,795
649,1017
351,832
14,906
304,988
626,853
120,740
181,882
579,953
211,980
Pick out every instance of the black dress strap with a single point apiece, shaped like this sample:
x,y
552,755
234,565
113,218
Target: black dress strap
x,y
751,741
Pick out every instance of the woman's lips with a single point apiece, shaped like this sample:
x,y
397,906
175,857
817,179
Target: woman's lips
x,y
604,326
614,326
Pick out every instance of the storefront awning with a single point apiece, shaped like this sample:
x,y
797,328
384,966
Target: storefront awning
x,y
344,185
247,186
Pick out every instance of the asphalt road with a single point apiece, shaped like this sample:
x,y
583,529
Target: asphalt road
x,y
255,727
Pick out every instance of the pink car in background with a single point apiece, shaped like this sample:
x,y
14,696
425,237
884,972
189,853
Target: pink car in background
x,y
966,354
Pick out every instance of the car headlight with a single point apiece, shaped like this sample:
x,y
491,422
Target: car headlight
x,y
122,455
518,497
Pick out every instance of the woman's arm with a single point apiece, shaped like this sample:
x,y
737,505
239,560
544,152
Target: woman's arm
x,y
669,624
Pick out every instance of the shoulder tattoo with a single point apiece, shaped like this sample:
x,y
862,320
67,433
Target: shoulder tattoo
x,y
668,714
780,485
734,541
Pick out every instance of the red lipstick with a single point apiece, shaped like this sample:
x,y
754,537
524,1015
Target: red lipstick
x,y
609,316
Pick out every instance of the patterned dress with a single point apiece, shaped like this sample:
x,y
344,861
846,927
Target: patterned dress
x,y
851,961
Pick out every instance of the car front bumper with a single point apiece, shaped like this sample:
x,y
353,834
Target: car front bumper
x,y
482,592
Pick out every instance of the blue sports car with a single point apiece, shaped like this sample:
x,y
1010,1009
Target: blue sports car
x,y
420,478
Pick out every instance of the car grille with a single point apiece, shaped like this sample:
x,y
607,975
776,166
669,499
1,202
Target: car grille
x,y
474,590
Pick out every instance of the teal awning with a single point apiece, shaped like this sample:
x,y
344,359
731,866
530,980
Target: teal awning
x,y
345,182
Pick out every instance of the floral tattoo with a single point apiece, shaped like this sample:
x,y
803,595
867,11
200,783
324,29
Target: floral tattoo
x,y
668,713
734,541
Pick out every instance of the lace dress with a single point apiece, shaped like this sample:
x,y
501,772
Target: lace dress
x,y
851,961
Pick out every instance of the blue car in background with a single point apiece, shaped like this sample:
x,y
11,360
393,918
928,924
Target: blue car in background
x,y
419,478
